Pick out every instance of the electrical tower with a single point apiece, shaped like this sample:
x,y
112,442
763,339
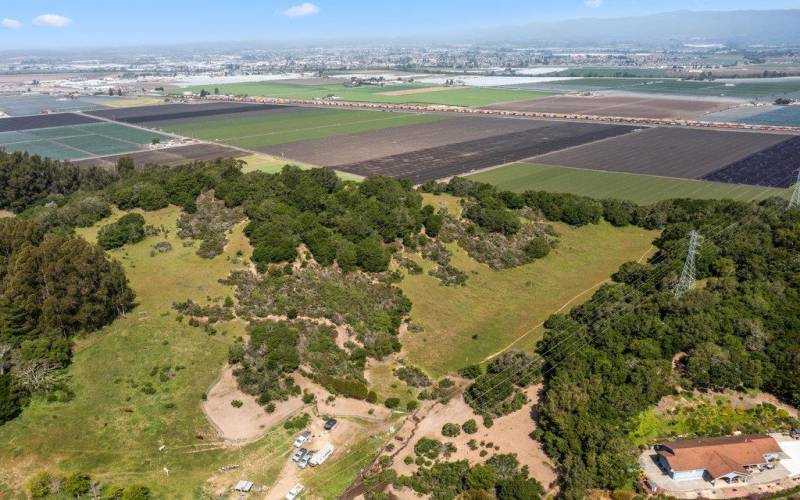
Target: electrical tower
x,y
795,201
687,280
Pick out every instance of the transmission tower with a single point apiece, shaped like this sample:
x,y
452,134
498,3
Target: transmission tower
x,y
795,201
687,280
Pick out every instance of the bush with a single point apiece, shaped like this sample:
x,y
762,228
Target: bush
x,y
297,423
128,229
392,403
76,485
428,448
451,430
372,397
412,405
471,372
470,426
537,248
236,403
412,376
39,485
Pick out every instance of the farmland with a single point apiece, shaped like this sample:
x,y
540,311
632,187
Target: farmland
x,y
156,113
671,152
70,142
640,107
169,156
457,96
43,121
455,159
262,129
352,148
464,325
642,189
33,104
762,89
775,166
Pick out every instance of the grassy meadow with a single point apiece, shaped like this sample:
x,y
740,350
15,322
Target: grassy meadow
x,y
465,325
457,96
270,129
271,164
642,189
112,429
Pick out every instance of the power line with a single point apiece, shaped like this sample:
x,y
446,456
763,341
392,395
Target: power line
x,y
687,279
795,201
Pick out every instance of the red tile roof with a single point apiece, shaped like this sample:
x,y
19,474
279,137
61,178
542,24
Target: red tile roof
x,y
719,456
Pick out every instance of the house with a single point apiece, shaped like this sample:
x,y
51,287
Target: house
x,y
730,458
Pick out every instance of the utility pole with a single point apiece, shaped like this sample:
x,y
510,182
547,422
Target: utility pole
x,y
687,279
795,201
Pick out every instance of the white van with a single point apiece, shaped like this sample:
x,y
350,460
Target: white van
x,y
319,457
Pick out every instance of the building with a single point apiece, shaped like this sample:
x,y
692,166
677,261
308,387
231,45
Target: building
x,y
243,486
731,458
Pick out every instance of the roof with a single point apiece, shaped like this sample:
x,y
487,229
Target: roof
x,y
243,486
719,456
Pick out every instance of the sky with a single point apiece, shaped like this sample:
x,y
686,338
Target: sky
x,y
53,24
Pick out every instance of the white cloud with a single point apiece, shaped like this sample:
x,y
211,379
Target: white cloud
x,y
52,20
593,3
301,10
10,24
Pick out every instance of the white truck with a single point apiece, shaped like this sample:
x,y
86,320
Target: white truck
x,y
319,457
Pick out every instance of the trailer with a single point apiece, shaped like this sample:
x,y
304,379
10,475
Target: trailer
x,y
319,457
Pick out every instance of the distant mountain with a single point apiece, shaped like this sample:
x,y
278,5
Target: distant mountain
x,y
741,27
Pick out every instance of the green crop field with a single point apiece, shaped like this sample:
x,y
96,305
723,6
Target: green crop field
x,y
269,129
464,96
642,189
464,325
79,141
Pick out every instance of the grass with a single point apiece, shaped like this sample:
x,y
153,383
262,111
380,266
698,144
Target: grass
x,y
272,128
111,429
461,96
333,477
642,189
272,164
467,324
382,380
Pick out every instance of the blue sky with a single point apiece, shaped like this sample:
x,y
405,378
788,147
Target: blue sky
x,y
69,23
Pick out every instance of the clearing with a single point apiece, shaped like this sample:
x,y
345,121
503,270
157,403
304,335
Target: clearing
x,y
464,325
642,189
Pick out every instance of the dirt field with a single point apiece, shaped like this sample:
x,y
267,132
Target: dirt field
x,y
671,152
352,148
162,112
774,167
415,91
509,434
636,107
460,158
170,156
43,121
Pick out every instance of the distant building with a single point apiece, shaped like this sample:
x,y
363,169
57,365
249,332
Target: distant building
x,y
731,458
243,486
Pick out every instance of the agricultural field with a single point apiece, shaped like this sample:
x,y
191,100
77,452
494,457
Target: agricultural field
x,y
34,104
352,148
498,309
670,152
70,142
637,107
258,131
169,156
459,158
43,121
270,164
641,189
764,89
177,111
784,115
396,94
775,166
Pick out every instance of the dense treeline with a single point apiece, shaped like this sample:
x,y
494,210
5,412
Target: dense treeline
x,y
52,287
611,358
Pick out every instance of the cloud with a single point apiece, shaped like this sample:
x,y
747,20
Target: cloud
x,y
52,20
593,3
301,10
11,24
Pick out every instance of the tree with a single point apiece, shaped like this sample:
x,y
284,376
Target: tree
x,y
9,399
481,477
371,255
125,166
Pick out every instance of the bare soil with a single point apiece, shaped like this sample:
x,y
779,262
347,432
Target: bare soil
x,y
671,152
629,107
169,156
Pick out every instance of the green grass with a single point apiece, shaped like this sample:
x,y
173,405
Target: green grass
x,y
271,165
111,429
269,129
334,476
462,96
643,189
499,307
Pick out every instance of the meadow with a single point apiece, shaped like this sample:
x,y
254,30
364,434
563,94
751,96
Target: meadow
x,y
496,309
270,128
113,429
642,189
457,96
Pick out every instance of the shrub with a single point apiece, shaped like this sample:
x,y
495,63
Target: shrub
x,y
76,485
471,371
428,448
372,397
450,430
470,426
128,229
413,376
537,248
297,423
392,403
39,485
412,405
236,403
